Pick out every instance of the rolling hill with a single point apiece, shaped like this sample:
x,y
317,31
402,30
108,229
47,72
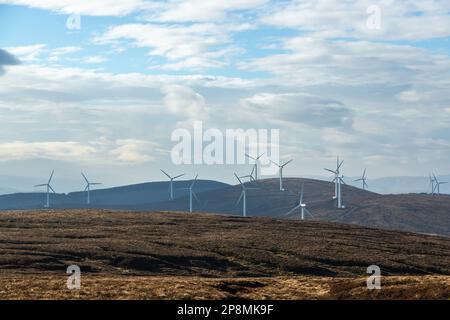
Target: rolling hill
x,y
410,212
417,213
144,193
115,242
167,255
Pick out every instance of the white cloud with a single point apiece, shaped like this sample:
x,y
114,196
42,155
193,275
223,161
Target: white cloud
x,y
134,151
55,54
94,8
200,10
94,59
27,53
299,108
55,150
183,101
410,96
196,45
408,19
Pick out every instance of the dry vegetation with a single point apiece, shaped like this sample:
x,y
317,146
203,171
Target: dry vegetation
x,y
45,286
162,255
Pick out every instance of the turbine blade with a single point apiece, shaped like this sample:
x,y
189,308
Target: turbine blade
x,y
178,176
364,174
51,188
292,210
260,156
249,156
195,180
195,196
40,185
275,163
165,173
307,211
239,179
332,171
85,189
240,198
286,163
51,176
87,181
301,195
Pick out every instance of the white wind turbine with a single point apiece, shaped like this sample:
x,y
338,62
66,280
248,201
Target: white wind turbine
x,y
337,183
171,182
432,184
363,179
49,187
88,188
301,206
256,163
438,184
243,196
192,193
280,171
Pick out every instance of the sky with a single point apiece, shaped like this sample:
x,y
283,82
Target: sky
x,y
101,85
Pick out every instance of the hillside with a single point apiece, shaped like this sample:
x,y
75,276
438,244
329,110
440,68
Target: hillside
x,y
416,213
144,193
183,244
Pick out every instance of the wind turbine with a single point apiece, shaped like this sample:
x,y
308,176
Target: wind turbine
x,y
301,205
363,179
88,188
49,187
256,163
250,176
438,184
280,171
432,184
337,183
243,196
192,193
171,182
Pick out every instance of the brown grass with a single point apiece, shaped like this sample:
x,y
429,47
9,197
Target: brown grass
x,y
166,287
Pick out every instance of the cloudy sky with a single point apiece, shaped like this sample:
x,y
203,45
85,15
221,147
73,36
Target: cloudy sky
x,y
104,96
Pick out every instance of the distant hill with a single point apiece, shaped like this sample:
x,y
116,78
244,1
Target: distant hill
x,y
416,213
131,195
401,185
409,212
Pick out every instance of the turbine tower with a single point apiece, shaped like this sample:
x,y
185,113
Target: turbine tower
x,y
171,182
301,205
192,193
88,188
280,171
338,180
256,163
49,187
243,196
363,179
